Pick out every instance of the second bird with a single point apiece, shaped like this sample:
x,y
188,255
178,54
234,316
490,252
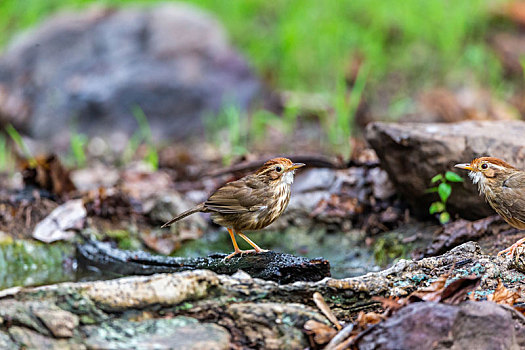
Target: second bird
x,y
504,188
250,203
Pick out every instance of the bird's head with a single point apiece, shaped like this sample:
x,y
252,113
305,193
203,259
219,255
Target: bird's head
x,y
279,169
486,170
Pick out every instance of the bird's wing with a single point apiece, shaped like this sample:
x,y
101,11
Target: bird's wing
x,y
514,199
239,196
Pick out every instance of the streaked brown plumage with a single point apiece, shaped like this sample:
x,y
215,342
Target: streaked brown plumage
x,y
250,203
504,188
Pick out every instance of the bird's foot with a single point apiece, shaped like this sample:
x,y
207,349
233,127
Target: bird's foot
x,y
510,250
261,250
240,252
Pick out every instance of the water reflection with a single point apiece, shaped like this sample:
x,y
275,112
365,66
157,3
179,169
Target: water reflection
x,y
28,263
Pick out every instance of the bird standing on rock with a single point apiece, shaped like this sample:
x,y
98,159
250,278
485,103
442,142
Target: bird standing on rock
x,y
250,203
504,188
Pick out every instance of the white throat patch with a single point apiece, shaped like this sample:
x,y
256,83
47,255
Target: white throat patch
x,y
476,176
287,178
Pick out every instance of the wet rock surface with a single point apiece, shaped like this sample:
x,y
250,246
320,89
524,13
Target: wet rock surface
x,y
173,61
412,153
461,231
272,325
247,312
171,333
471,325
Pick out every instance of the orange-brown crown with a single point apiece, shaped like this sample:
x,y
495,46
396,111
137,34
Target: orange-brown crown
x,y
476,163
276,167
285,162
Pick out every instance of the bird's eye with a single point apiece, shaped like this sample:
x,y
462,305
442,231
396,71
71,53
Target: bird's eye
x,y
484,166
278,169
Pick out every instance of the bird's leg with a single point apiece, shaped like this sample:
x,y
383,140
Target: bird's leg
x,y
235,246
250,242
510,250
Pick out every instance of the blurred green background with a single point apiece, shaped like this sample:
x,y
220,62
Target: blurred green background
x,y
309,44
384,52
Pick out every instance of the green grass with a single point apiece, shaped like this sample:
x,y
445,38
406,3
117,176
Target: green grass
x,y
19,141
308,46
229,130
7,159
144,137
78,144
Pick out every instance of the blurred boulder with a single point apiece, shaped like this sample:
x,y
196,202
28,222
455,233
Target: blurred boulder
x,y
413,153
470,325
467,103
91,69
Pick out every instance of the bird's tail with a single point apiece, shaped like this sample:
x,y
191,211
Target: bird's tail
x,y
193,210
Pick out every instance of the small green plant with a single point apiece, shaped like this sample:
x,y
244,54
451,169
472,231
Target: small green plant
x,y
229,130
236,131
142,135
444,190
7,161
17,139
78,144
339,129
289,118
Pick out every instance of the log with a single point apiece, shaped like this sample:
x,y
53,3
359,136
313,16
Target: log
x,y
272,266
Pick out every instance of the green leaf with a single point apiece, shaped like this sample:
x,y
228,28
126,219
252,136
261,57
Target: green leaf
x,y
444,217
17,138
436,178
431,190
453,177
444,191
436,207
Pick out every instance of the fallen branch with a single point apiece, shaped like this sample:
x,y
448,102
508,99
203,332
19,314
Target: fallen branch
x,y
278,267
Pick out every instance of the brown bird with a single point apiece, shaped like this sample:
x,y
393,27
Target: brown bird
x,y
250,203
504,188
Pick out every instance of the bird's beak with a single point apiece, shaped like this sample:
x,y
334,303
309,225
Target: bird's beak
x,y
465,166
295,166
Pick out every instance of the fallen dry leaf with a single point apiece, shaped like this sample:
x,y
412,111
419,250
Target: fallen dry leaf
x,y
366,319
58,225
457,291
391,304
502,295
320,332
432,292
453,294
48,174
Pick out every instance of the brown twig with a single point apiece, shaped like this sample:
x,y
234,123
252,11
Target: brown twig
x,y
325,309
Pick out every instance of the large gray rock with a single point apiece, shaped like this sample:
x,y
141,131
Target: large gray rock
x,y
413,153
94,67
471,325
